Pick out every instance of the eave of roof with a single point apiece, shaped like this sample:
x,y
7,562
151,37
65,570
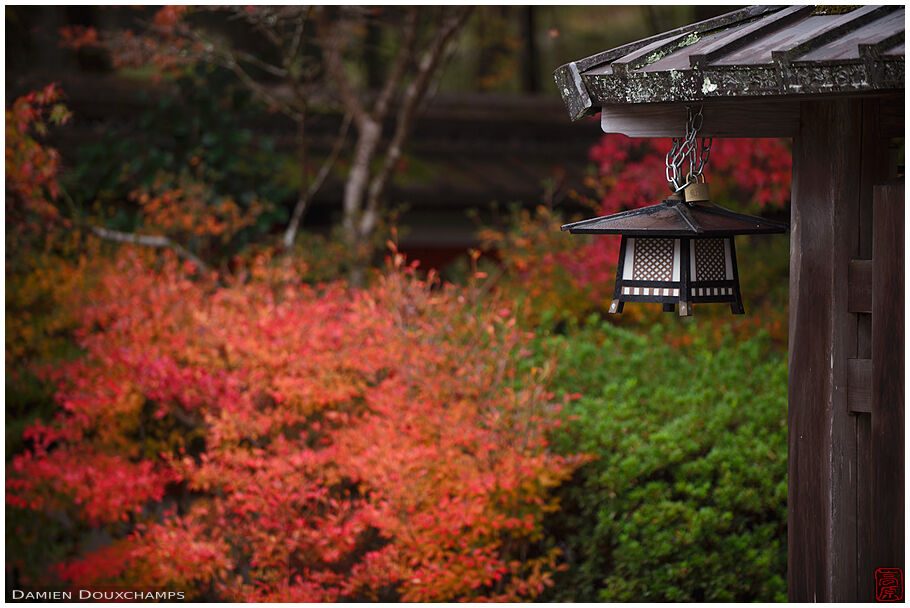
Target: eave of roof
x,y
677,218
756,52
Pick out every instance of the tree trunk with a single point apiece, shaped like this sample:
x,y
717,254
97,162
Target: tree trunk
x,y
414,94
369,132
363,190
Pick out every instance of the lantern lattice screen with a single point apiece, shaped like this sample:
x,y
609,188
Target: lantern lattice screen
x,y
710,260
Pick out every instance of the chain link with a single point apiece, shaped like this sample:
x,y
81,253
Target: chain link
x,y
687,149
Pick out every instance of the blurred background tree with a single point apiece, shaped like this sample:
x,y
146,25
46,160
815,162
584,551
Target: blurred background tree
x,y
493,130
294,58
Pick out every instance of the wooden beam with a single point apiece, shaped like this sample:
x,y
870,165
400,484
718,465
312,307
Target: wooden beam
x,y
846,371
737,118
888,377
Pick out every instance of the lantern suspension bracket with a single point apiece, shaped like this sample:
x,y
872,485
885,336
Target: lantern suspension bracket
x,y
688,150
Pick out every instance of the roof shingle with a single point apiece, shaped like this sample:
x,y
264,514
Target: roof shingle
x,y
757,52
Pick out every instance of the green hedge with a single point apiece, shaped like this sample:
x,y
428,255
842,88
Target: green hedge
x,y
687,499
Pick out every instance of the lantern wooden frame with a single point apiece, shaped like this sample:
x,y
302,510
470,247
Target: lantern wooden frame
x,y
686,286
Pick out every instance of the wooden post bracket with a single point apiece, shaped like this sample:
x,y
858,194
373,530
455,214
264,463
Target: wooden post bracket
x,y
859,371
859,385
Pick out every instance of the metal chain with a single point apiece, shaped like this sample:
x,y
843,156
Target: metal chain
x,y
687,149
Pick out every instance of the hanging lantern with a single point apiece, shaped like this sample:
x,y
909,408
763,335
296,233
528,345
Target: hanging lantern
x,y
681,250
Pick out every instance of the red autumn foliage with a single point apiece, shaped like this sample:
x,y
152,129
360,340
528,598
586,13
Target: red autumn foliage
x,y
262,440
79,36
31,168
159,45
253,438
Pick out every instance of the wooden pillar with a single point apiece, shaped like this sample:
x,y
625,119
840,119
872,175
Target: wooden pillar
x,y
824,236
887,453
842,466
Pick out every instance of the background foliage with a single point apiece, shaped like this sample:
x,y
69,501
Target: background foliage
x,y
187,133
687,500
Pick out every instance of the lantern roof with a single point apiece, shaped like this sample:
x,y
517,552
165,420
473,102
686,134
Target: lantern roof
x,y
677,218
758,52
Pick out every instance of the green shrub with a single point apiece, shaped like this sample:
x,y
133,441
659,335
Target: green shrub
x,y
687,498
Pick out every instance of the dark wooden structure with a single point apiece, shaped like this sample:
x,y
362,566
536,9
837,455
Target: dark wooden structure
x,y
832,78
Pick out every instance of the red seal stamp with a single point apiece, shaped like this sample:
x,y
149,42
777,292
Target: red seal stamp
x,y
889,585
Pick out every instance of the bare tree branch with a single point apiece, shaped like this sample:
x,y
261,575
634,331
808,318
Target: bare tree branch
x,y
355,188
315,185
297,40
258,18
407,81
228,59
369,131
330,41
265,66
149,241
405,56
264,94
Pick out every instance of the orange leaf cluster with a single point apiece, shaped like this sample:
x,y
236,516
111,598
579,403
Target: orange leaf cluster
x,y
264,440
186,210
